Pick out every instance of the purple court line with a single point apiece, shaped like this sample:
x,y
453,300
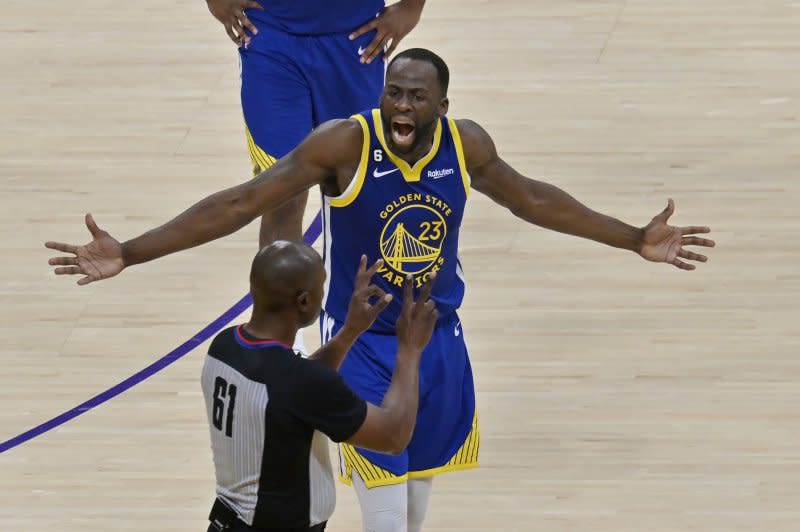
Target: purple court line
x,y
311,235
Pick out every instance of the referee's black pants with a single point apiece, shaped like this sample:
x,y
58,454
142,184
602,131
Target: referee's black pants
x,y
240,526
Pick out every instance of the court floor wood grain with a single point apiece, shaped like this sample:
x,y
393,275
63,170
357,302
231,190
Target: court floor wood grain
x,y
614,394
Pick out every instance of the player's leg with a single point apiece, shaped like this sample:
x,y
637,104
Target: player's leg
x,y
383,508
446,436
277,108
419,493
379,479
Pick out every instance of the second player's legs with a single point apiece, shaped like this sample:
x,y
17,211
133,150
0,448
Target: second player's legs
x,y
419,493
393,508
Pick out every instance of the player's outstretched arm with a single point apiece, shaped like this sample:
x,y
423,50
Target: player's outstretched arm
x,y
388,428
334,146
550,207
366,303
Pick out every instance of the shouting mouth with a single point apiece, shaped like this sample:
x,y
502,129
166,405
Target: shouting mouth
x,y
403,132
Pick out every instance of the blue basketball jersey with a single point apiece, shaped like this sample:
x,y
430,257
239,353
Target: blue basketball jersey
x,y
408,216
314,17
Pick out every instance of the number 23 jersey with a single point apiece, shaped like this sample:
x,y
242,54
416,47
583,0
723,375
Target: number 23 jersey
x,y
409,216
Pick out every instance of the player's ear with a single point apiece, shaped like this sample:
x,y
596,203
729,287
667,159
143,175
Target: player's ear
x,y
303,301
444,105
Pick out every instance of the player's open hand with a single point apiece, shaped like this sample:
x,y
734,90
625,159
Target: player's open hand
x,y
393,23
367,300
665,243
99,259
417,318
231,14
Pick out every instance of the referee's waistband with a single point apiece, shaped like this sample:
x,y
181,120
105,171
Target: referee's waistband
x,y
224,519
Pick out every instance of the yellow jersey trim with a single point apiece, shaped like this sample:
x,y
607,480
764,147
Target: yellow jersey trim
x,y
410,174
354,188
462,162
260,158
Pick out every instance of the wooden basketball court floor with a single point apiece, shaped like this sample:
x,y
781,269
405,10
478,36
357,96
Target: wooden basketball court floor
x,y
614,394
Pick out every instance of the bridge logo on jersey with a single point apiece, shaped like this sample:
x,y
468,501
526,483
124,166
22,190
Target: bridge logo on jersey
x,y
415,226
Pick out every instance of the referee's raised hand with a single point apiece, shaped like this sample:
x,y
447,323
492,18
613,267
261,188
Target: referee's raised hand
x,y
418,318
367,300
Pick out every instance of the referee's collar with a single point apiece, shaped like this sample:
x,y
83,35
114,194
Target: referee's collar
x,y
245,339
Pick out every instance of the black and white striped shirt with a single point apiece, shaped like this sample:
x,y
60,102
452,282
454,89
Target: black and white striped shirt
x,y
264,404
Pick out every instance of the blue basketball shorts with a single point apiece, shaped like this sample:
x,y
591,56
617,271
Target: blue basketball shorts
x,y
293,83
446,436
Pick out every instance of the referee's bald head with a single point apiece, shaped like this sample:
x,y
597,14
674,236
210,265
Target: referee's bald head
x,y
288,277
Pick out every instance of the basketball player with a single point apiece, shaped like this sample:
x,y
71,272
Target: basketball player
x,y
264,403
303,63
394,182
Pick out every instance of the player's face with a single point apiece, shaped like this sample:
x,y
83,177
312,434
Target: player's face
x,y
411,103
310,310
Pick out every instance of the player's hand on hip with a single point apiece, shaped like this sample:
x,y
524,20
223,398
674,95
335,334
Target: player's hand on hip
x,y
99,259
231,14
391,25
367,300
665,243
417,318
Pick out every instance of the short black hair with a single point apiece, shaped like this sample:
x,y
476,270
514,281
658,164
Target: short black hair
x,y
423,54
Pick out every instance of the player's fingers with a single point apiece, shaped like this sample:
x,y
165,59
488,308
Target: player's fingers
x,y
392,46
374,48
63,261
247,24
372,292
695,229
237,27
426,288
91,225
249,4
67,270
408,291
86,280
374,268
232,35
697,241
685,254
362,268
369,26
664,215
60,246
682,265
381,304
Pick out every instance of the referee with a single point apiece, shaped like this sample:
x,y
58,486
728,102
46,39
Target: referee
x,y
264,403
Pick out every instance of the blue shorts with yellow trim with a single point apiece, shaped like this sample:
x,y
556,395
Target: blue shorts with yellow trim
x,y
446,436
293,83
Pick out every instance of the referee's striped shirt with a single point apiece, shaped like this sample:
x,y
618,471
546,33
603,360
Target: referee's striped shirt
x,y
264,404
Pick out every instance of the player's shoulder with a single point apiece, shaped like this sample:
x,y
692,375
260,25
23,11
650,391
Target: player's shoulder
x,y
470,131
348,129
340,139
478,145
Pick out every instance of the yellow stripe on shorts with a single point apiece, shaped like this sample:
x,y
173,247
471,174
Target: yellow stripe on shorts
x,y
373,476
261,159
